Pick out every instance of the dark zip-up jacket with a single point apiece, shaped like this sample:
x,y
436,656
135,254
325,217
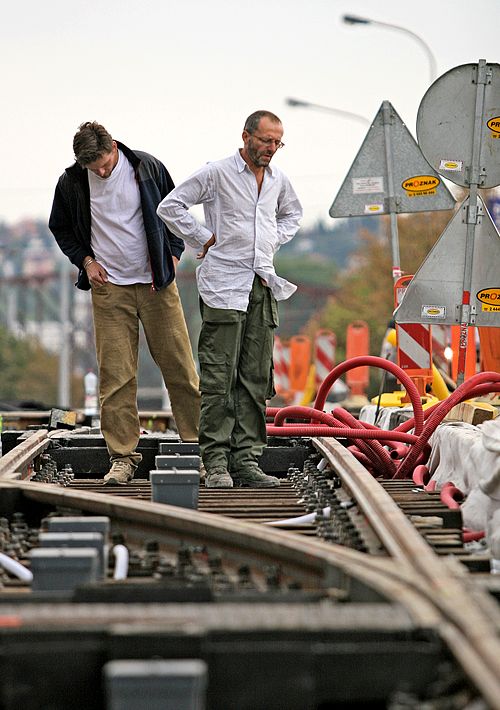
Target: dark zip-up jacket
x,y
70,216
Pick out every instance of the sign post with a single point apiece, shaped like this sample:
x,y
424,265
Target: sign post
x,y
458,128
389,175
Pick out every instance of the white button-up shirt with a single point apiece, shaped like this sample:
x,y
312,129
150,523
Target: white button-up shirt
x,y
249,228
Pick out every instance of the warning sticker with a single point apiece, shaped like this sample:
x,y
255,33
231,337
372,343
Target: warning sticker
x,y
374,209
367,185
494,124
433,311
420,185
490,299
454,166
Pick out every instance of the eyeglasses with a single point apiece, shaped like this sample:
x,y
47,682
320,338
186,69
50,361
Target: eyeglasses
x,y
269,141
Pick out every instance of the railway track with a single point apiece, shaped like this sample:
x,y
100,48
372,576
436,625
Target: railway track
x,y
369,574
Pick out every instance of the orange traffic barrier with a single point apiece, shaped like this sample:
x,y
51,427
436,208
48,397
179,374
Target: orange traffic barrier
x,y
490,349
357,343
470,356
300,360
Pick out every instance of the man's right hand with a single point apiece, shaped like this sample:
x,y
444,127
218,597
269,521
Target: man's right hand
x,y
97,274
206,247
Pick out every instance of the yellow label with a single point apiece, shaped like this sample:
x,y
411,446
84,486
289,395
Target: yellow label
x,y
451,165
489,296
433,311
420,183
491,309
494,124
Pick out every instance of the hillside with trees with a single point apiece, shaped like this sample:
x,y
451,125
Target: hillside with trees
x,y
364,290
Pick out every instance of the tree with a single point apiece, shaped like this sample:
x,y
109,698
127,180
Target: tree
x,y
28,372
365,290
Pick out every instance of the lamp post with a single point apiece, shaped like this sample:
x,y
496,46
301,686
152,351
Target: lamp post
x,y
298,103
355,20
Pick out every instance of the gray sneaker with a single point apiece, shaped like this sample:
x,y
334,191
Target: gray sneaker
x,y
120,473
254,477
218,478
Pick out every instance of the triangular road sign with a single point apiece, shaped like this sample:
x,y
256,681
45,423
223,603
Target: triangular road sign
x,y
390,174
435,293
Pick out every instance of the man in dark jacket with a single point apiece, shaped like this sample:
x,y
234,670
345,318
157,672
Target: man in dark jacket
x,y
104,220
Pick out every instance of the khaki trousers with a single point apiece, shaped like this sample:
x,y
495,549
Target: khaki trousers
x,y
235,351
117,311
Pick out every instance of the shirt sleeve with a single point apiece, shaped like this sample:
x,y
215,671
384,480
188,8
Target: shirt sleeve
x,y
174,208
62,227
289,213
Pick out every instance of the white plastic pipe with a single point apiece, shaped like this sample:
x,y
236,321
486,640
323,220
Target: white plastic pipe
x,y
301,520
16,568
121,562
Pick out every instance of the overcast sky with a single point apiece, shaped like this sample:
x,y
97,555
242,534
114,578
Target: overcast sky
x,y
178,80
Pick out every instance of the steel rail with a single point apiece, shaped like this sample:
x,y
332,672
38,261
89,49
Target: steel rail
x,y
18,460
471,623
426,586
310,558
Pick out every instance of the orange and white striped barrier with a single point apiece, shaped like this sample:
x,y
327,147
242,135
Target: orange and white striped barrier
x,y
325,343
414,344
281,359
441,339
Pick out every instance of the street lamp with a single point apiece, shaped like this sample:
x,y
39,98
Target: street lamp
x,y
355,20
298,103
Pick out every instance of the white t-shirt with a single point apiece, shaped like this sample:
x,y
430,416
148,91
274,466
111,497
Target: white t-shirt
x,y
118,237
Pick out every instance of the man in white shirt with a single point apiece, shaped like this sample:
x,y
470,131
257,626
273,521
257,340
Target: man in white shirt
x,y
104,219
250,210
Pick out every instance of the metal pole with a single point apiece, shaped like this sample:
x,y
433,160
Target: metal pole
x,y
65,325
396,262
472,217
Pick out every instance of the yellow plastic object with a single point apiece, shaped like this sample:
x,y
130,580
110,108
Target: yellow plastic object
x,y
438,386
310,389
394,399
391,337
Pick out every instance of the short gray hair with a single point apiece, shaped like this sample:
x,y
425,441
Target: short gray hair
x,y
252,122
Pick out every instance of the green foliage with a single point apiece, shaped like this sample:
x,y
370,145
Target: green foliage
x,y
307,269
28,372
365,290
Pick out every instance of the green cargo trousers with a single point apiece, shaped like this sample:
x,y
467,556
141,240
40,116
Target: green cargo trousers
x,y
235,351
117,311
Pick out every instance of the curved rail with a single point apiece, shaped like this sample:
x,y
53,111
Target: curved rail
x,y
470,623
433,592
17,462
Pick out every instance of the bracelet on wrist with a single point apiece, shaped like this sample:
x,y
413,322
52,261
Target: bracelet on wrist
x,y
87,263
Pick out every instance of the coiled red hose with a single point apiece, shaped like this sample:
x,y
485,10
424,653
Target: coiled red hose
x,y
383,364
367,438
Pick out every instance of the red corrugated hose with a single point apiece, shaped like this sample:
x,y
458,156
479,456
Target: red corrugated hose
x,y
406,453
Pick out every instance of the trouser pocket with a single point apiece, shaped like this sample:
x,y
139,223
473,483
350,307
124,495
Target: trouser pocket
x,y
213,373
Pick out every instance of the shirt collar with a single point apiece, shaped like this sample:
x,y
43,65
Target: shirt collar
x,y
241,165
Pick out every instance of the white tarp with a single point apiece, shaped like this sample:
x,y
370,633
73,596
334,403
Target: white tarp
x,y
470,457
